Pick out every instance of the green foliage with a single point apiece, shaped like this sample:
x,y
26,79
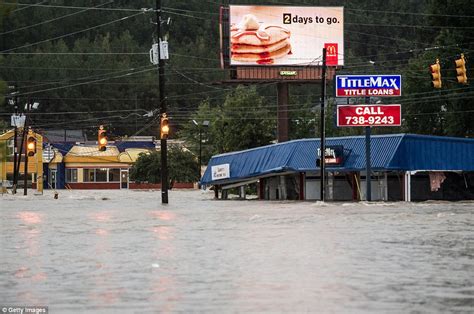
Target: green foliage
x,y
398,37
4,126
243,121
3,150
182,166
3,89
147,168
190,131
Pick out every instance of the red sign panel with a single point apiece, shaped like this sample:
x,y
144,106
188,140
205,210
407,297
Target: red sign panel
x,y
369,115
331,54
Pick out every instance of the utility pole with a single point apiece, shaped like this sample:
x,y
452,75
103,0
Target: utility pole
x,y
15,140
368,165
200,154
161,87
322,156
25,179
25,131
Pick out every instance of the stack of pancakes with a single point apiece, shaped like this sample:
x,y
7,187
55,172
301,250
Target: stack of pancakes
x,y
261,44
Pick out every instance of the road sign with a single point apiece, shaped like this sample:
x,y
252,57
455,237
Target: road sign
x,y
18,121
369,115
368,85
48,154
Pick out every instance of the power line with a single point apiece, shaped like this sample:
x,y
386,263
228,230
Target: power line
x,y
39,5
78,53
73,33
411,26
83,83
51,20
409,13
88,77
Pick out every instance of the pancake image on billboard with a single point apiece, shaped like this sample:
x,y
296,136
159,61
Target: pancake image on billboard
x,y
286,35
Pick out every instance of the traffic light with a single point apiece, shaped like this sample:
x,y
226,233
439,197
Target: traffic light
x,y
164,127
435,70
461,70
30,144
102,139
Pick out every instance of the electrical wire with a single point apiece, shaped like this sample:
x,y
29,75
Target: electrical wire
x,y
82,83
51,20
40,5
73,33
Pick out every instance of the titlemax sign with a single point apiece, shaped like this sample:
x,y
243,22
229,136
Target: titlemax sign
x,y
368,85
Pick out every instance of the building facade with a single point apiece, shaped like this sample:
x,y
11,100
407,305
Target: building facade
x,y
404,167
75,165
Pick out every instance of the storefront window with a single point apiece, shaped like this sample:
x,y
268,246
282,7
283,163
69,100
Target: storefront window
x,y
114,175
89,175
101,175
71,175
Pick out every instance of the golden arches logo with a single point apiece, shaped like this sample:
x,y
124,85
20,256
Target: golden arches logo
x,y
331,50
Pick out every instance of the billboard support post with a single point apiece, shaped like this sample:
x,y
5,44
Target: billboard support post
x,y
322,132
368,166
282,112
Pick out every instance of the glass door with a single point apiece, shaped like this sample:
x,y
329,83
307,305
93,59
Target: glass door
x,y
124,179
52,179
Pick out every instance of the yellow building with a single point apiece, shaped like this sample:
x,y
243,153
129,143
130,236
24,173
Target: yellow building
x,y
79,166
35,163
67,165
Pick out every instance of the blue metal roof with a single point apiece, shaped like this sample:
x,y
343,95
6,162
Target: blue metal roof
x,y
122,146
421,152
388,152
63,148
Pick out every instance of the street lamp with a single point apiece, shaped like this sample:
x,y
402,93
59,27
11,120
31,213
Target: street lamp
x,y
205,123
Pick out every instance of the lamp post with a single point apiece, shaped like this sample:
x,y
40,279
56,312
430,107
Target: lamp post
x,y
205,123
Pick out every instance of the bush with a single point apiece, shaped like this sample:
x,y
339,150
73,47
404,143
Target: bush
x,y
182,166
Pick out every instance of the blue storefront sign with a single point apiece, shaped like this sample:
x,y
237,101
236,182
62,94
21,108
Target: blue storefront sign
x,y
368,85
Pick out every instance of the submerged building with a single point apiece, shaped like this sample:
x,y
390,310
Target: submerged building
x,y
76,165
404,167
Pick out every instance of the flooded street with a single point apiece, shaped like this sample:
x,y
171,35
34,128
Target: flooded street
x,y
123,251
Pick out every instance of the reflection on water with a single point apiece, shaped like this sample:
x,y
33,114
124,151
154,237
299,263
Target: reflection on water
x,y
81,253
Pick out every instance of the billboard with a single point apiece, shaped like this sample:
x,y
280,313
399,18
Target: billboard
x,y
286,35
368,85
369,115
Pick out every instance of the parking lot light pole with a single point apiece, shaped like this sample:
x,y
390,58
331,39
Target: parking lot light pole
x,y
205,124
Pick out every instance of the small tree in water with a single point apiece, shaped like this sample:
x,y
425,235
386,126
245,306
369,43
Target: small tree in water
x,y
182,166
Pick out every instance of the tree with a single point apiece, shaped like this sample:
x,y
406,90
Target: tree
x,y
242,122
190,131
4,11
182,166
147,168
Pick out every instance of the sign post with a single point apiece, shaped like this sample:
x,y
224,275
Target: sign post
x,y
323,129
368,115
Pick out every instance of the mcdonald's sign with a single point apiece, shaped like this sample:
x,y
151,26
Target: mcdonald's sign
x,y
331,54
285,35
